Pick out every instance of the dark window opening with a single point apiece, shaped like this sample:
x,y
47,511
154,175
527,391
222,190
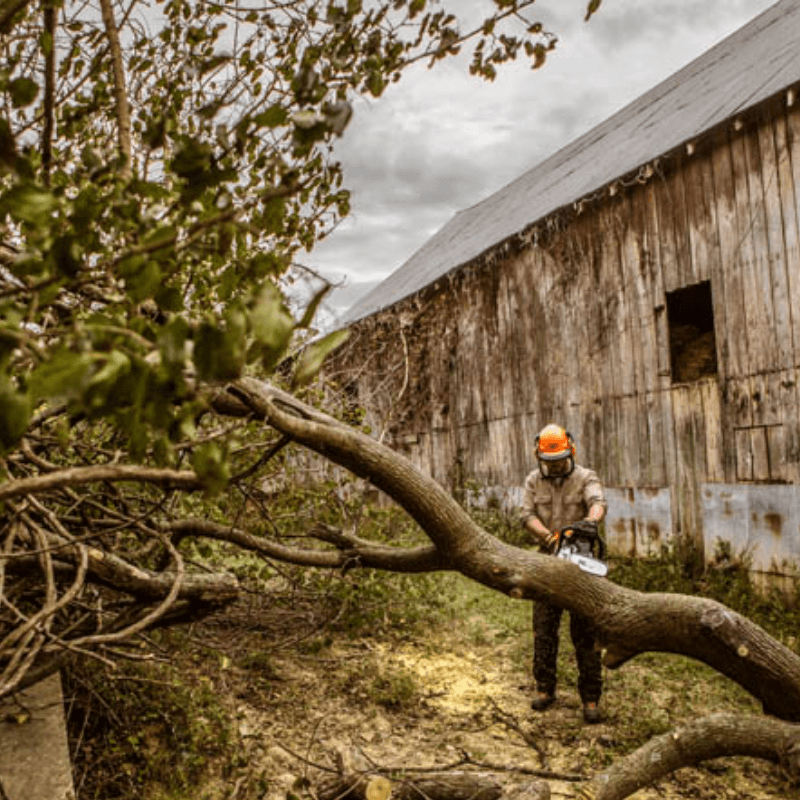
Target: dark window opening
x,y
692,346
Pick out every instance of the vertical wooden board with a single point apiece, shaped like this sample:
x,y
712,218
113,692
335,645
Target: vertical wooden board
x,y
774,196
701,222
516,292
791,168
656,473
613,291
712,414
635,271
744,454
629,441
651,288
758,439
664,398
763,349
787,141
705,246
790,428
684,415
668,249
734,325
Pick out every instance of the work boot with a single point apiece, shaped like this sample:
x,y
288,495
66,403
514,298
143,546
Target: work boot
x,y
591,714
542,701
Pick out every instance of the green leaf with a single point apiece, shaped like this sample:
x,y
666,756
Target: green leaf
x,y
313,356
23,92
211,466
101,389
142,280
15,413
593,6
272,324
169,298
63,377
172,342
27,202
312,307
218,353
271,118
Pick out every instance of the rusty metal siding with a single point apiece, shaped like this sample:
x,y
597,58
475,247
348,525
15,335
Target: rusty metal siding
x,y
762,523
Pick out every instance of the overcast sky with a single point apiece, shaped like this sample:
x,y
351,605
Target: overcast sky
x,y
440,140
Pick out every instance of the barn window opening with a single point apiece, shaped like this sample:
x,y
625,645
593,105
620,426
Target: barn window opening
x,y
692,345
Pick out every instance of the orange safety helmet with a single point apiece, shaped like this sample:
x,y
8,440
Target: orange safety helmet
x,y
554,444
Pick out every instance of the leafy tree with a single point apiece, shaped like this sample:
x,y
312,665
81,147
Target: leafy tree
x,y
161,165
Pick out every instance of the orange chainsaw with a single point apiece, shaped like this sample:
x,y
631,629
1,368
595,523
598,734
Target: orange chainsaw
x,y
581,544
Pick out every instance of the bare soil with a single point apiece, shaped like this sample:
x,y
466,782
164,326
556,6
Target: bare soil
x,y
457,696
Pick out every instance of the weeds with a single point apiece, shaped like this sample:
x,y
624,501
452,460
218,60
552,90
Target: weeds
x,y
149,726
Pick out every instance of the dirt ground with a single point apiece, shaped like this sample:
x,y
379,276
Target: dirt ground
x,y
458,696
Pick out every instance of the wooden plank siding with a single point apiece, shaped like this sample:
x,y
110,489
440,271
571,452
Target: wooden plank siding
x,y
575,328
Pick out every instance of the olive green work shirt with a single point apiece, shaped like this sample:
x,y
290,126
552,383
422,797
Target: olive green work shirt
x,y
558,502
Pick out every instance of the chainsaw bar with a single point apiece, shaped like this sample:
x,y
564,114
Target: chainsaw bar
x,y
586,563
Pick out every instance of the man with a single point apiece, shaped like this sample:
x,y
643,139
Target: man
x,y
560,493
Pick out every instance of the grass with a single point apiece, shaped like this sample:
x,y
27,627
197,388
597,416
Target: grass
x,y
164,731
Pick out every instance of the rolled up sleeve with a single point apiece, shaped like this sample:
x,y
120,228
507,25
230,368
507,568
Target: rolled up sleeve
x,y
593,492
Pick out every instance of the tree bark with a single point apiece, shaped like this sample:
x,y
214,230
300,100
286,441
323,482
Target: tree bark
x,y
434,786
715,736
627,622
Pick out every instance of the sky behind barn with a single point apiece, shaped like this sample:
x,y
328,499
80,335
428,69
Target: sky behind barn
x,y
440,141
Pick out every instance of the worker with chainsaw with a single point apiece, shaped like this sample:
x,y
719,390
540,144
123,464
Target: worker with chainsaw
x,y
563,496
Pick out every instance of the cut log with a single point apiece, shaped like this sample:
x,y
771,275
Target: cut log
x,y
432,786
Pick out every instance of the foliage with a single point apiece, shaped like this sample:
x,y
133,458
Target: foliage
x,y
162,165
153,725
727,579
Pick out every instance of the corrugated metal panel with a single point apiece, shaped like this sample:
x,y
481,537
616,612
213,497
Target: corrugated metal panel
x,y
639,521
753,64
759,521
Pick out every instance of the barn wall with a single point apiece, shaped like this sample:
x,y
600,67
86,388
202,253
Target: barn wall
x,y
574,328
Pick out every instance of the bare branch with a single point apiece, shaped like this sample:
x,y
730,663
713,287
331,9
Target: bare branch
x,y
75,476
123,109
353,552
715,736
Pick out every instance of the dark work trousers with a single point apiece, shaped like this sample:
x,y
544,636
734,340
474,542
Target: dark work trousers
x,y
546,620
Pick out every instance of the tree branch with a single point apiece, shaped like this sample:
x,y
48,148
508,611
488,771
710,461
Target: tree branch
x,y
352,551
715,736
627,622
75,476
49,46
122,105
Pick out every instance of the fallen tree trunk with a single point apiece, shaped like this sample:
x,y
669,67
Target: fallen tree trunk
x,y
715,736
627,622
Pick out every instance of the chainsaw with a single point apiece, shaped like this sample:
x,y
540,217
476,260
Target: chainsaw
x,y
576,543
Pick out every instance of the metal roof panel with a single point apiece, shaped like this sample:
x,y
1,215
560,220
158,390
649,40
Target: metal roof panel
x,y
749,66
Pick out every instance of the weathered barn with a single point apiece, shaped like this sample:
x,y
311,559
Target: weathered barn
x,y
640,287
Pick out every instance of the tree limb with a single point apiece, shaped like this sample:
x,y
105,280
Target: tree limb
x,y
715,736
123,109
352,552
627,622
75,476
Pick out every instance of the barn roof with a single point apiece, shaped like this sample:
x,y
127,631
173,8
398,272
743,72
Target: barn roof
x,y
751,65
